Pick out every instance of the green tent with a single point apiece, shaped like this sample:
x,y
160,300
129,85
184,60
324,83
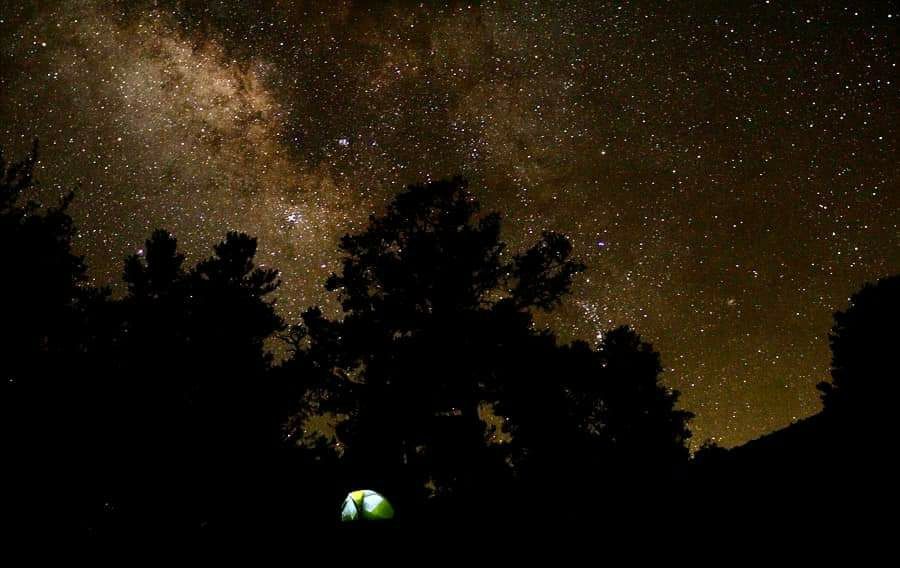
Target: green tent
x,y
365,505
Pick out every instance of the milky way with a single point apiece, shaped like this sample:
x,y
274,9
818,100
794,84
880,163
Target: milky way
x,y
728,170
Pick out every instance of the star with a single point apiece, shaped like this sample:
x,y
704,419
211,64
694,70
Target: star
x,y
747,153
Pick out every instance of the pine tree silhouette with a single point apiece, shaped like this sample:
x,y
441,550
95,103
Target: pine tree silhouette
x,y
47,313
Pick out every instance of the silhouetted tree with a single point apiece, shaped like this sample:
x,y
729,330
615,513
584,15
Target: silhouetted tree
x,y
40,288
422,289
162,411
438,330
50,319
190,384
638,415
838,462
863,367
157,412
582,417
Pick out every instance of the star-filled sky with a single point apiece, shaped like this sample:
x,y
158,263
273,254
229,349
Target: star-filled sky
x,y
728,170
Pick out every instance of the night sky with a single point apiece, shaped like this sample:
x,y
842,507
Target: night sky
x,y
728,170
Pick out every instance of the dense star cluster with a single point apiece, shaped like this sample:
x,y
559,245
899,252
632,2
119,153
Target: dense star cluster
x,y
727,170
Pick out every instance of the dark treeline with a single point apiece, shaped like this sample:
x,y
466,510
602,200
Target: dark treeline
x,y
839,463
162,411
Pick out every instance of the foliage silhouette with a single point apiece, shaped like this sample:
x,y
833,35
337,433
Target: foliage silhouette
x,y
835,464
163,411
43,298
191,356
862,341
438,331
47,311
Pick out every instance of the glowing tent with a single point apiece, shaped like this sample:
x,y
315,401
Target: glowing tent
x,y
365,505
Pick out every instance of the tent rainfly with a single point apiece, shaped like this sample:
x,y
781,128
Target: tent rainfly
x,y
366,505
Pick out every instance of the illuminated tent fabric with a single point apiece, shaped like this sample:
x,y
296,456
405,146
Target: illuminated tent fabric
x,y
366,505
